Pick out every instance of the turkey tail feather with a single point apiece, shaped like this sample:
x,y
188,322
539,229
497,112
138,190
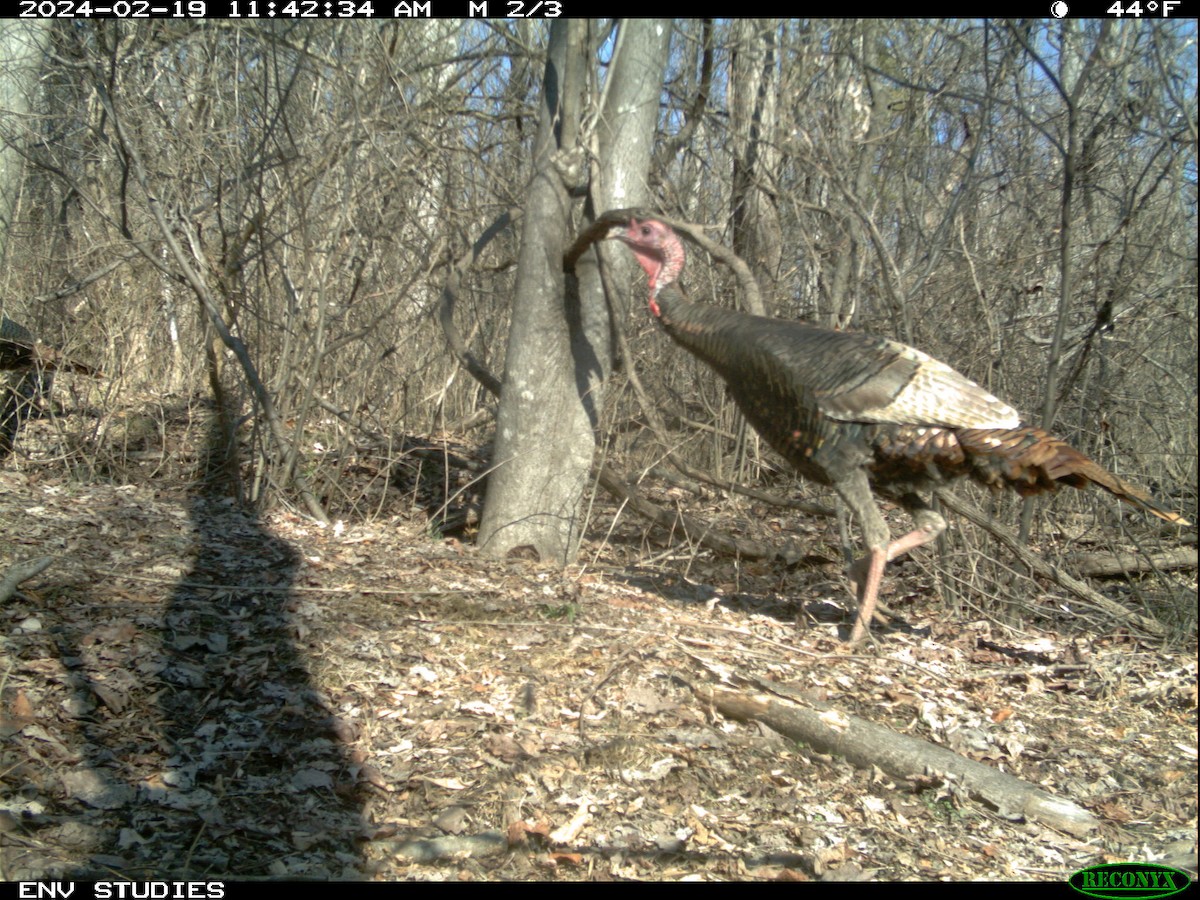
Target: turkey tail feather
x,y
1123,490
1032,461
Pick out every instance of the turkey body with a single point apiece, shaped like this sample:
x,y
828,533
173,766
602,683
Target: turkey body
x,y
21,352
827,400
16,345
861,413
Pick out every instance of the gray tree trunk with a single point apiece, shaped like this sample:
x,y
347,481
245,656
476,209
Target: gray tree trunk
x,y
559,345
543,430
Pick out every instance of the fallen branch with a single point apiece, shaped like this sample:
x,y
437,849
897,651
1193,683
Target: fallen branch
x,y
1123,564
867,745
22,571
469,846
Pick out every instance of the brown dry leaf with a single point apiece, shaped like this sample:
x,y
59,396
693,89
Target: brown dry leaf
x,y
1114,812
452,820
517,833
114,698
20,707
567,833
505,748
373,777
791,875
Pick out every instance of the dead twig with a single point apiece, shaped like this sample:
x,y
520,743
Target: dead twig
x,y
22,571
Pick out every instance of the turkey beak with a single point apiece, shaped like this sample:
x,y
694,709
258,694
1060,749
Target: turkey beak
x,y
617,233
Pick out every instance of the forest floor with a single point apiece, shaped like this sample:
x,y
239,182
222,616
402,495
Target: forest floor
x,y
189,692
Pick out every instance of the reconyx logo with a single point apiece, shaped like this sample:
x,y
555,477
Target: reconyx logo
x,y
1125,880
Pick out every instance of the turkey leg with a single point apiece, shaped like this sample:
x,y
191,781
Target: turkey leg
x,y
867,573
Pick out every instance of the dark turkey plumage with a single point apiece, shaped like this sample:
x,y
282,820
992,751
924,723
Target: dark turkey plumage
x,y
854,411
20,399
21,351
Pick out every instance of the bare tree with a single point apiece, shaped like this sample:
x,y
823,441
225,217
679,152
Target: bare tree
x,y
559,348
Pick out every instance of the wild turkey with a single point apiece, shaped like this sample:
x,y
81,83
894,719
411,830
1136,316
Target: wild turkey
x,y
21,351
19,401
851,411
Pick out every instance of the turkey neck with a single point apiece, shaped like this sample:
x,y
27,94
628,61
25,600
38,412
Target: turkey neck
x,y
700,328
739,346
